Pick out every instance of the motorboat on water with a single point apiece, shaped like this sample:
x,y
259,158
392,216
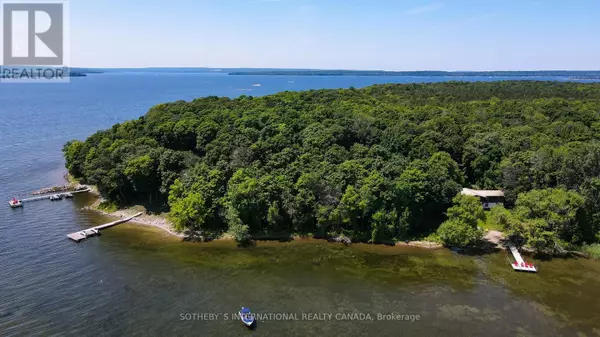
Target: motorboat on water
x,y
15,203
68,195
56,197
247,317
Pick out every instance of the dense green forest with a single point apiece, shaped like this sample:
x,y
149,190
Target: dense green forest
x,y
380,163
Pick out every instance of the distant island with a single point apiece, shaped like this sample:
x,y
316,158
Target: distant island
x,y
70,74
85,71
429,73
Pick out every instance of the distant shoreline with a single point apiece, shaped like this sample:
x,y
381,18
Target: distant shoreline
x,y
533,74
569,74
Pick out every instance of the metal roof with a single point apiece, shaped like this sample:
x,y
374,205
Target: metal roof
x,y
482,193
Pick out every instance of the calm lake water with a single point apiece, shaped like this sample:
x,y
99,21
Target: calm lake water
x,y
137,281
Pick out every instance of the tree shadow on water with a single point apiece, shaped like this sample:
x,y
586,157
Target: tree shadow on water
x,y
247,244
195,235
481,248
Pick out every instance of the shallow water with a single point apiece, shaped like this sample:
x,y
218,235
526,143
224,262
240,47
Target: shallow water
x,y
139,281
136,280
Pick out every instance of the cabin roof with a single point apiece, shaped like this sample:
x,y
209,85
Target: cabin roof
x,y
482,193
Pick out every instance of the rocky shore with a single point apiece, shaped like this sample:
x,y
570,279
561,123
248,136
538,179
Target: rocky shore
x,y
60,189
421,244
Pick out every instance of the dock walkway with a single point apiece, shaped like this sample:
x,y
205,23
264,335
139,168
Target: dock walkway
x,y
86,233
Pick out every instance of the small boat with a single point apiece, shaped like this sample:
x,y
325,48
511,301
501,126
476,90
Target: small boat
x,y
247,317
68,195
524,266
15,203
256,85
56,197
519,264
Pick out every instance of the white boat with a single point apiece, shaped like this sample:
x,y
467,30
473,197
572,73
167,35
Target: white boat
x,y
68,195
14,203
520,264
56,197
247,317
524,266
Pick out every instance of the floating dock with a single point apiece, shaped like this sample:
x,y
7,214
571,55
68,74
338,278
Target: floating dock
x,y
520,264
86,233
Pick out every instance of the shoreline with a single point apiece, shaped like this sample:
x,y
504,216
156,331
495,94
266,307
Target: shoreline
x,y
493,237
162,223
145,219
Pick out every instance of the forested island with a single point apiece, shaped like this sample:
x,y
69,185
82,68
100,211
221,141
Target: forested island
x,y
20,75
379,164
424,73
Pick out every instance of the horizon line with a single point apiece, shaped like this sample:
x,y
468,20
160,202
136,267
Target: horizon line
x,y
309,69
329,69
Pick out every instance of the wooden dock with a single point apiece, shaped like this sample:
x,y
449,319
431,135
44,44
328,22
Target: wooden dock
x,y
86,233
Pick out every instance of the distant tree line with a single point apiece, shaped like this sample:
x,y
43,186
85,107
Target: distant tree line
x,y
380,163
425,73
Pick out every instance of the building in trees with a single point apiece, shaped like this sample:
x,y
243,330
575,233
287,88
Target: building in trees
x,y
489,198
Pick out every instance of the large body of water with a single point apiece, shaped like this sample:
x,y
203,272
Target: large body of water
x,y
135,281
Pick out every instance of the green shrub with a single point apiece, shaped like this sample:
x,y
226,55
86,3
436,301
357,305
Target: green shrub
x,y
455,233
108,206
239,231
463,225
592,251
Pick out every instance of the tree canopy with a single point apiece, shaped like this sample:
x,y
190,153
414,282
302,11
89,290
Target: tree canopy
x,y
379,163
547,220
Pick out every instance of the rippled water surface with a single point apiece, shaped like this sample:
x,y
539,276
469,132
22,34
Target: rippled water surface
x,y
137,281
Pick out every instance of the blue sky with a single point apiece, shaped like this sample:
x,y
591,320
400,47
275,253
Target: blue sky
x,y
338,34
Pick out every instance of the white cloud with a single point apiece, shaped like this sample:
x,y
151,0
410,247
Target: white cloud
x,y
425,9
